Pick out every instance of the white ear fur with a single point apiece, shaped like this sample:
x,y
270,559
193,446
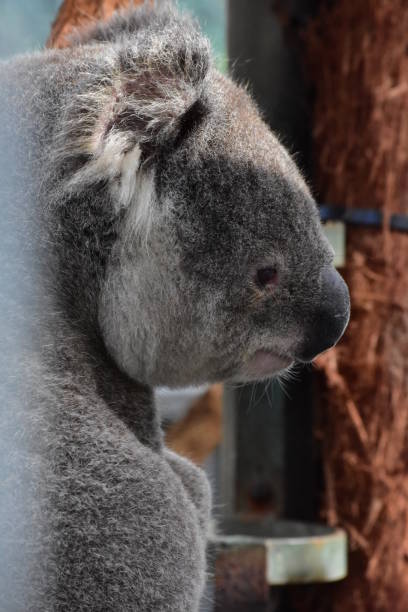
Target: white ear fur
x,y
131,187
142,209
116,159
124,182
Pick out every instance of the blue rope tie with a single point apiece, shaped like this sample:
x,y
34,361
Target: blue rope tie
x,y
361,216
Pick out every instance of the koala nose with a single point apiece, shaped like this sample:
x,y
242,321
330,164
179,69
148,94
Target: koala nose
x,y
330,318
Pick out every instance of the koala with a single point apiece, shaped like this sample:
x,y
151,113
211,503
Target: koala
x,y
155,233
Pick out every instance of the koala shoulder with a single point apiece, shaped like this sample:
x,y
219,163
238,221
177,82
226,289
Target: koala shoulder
x,y
195,483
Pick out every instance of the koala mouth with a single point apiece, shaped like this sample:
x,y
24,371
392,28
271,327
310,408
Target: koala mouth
x,y
264,364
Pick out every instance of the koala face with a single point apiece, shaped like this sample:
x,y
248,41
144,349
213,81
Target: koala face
x,y
231,277
219,269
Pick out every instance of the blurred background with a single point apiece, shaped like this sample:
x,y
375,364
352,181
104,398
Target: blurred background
x,y
301,467
25,25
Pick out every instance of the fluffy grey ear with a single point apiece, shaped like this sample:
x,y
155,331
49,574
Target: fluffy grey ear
x,y
158,92
149,94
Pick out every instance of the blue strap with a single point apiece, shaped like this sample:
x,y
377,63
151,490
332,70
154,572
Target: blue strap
x,y
361,216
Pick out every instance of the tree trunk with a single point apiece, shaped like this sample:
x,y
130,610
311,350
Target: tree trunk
x,y
75,14
358,56
199,433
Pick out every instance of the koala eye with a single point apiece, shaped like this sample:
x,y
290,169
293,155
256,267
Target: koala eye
x,y
267,278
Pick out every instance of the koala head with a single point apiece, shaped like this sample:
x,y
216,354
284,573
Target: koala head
x,y
219,269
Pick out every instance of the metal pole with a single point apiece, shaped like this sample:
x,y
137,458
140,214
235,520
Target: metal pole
x,y
267,462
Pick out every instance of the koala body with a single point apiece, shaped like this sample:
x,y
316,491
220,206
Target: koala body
x,y
158,234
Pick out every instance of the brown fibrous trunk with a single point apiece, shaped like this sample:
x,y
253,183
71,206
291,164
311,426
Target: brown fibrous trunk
x,y
75,14
357,55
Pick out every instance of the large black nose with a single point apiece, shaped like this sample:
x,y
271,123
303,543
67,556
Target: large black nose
x,y
330,317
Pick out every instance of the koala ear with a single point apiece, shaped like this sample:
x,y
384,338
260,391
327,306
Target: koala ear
x,y
159,96
151,96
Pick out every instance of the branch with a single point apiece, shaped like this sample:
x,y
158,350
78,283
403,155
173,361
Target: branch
x,y
75,14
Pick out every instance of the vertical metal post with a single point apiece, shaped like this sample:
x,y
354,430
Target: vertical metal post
x,y
253,452
267,456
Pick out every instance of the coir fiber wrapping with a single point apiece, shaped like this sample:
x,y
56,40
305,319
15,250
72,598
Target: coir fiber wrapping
x,y
357,56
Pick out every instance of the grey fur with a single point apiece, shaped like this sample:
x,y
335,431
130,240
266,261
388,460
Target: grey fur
x,y
144,191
